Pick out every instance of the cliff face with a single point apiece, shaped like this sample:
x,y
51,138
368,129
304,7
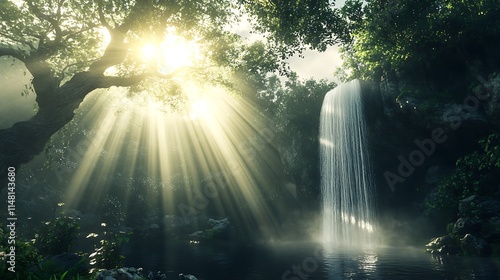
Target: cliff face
x,y
415,143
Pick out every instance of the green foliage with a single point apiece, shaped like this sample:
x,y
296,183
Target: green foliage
x,y
112,211
433,43
48,270
108,254
475,174
57,236
26,257
29,263
68,35
295,110
290,25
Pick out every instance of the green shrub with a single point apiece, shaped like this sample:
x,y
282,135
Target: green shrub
x,y
475,174
108,254
57,236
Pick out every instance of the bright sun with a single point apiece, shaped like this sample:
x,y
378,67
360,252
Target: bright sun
x,y
173,53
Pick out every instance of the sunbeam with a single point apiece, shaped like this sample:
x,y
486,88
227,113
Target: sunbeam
x,y
217,146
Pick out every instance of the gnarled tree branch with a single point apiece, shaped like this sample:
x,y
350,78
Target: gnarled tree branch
x,y
102,18
52,21
109,81
6,51
116,50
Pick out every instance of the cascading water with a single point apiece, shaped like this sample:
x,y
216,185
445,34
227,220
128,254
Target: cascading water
x,y
345,169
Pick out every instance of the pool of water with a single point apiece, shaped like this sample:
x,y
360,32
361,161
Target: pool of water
x,y
303,260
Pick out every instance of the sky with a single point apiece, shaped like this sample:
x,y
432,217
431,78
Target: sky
x,y
314,64
317,65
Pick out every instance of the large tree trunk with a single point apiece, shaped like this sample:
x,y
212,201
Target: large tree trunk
x,y
20,143
57,103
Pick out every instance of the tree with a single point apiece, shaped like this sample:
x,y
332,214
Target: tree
x,y
294,109
298,117
60,43
436,41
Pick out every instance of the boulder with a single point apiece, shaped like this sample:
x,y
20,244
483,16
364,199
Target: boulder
x,y
219,229
187,277
483,207
389,91
473,245
158,276
68,262
442,245
489,207
125,273
197,235
465,205
221,224
491,87
371,99
491,229
453,115
467,225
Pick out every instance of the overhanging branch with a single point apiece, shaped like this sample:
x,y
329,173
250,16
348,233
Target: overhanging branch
x,y
102,18
6,51
18,40
109,81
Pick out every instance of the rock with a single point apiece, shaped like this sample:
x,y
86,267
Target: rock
x,y
221,224
465,205
442,245
219,229
371,99
483,207
491,87
389,91
125,273
466,225
489,207
476,246
491,229
174,222
157,276
197,235
187,277
69,261
449,114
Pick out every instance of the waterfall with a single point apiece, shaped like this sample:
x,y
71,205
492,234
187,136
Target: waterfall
x,y
346,183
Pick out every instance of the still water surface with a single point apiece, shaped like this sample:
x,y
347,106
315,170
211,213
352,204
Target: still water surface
x,y
297,261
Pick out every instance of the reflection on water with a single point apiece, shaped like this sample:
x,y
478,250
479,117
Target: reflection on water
x,y
351,264
298,261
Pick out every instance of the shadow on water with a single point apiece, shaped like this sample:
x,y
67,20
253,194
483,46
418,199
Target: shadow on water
x,y
303,260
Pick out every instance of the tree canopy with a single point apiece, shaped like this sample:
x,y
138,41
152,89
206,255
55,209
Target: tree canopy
x,y
72,47
430,39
